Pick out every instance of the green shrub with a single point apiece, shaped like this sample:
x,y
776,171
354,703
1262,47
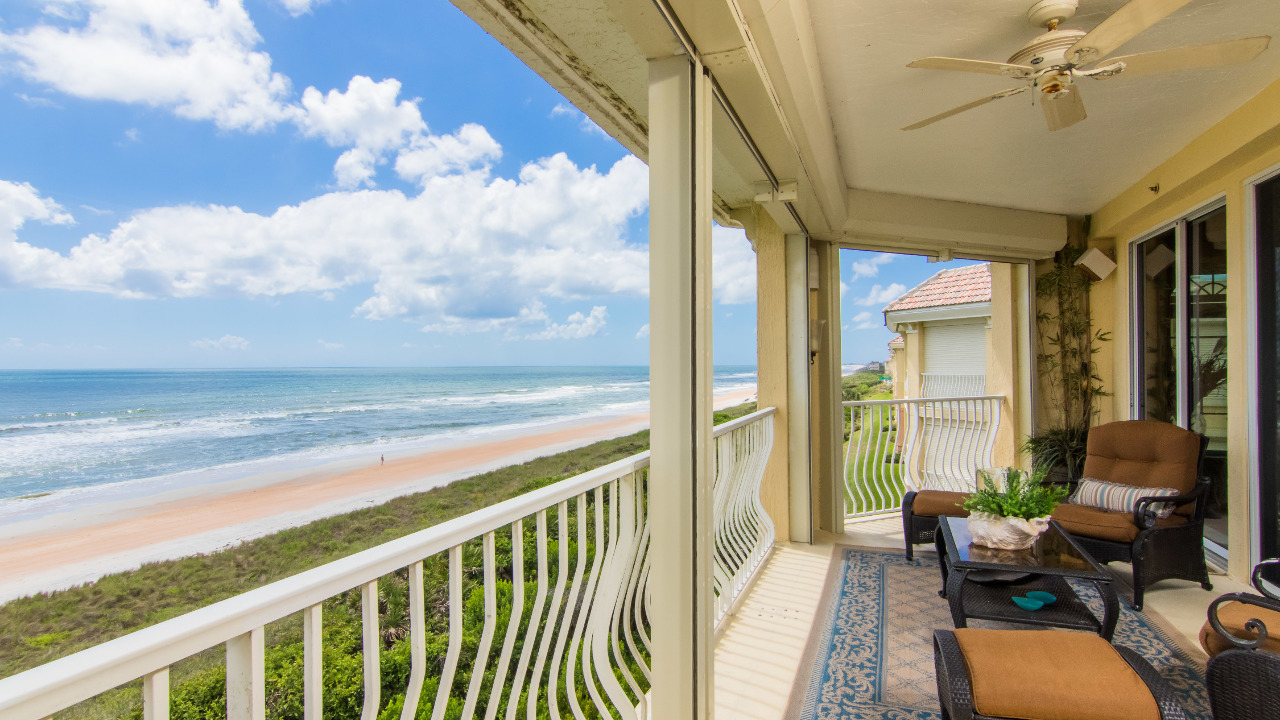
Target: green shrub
x,y
1025,495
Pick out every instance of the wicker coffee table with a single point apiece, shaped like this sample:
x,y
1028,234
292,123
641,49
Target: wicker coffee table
x,y
979,582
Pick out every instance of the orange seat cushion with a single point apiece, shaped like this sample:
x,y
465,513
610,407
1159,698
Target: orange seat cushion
x,y
1091,522
1233,616
937,503
1052,675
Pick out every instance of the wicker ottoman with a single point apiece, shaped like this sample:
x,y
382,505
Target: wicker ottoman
x,y
921,510
1045,675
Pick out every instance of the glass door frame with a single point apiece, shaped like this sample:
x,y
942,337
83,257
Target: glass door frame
x,y
1137,336
1253,376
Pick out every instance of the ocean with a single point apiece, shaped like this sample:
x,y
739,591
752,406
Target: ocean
x,y
122,433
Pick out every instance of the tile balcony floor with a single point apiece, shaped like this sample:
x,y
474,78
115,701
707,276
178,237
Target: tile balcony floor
x,y
759,653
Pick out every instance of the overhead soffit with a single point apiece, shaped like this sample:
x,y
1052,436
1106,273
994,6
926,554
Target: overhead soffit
x,y
610,41
1002,154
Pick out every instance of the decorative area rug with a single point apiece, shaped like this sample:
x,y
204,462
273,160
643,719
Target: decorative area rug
x,y
871,654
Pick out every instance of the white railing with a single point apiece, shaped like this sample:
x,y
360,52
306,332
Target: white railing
x,y
900,445
575,642
744,532
940,385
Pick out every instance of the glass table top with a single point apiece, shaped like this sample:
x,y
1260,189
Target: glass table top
x,y
1055,552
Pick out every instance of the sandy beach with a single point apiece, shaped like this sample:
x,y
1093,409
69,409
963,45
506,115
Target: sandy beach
x,y
77,546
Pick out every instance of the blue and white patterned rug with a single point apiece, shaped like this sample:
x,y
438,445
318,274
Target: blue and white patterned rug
x,y
872,655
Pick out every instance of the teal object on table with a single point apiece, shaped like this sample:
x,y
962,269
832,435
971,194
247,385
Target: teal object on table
x,y
1042,596
1027,603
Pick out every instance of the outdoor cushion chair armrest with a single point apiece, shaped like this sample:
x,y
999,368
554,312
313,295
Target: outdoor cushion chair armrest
x,y
1254,624
1165,697
1257,578
955,690
1144,516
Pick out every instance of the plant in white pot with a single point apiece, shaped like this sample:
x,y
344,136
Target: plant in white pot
x,y
1013,516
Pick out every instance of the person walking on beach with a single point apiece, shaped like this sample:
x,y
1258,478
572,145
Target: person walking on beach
x,y
383,460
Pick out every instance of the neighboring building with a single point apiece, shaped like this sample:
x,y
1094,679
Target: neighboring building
x,y
943,322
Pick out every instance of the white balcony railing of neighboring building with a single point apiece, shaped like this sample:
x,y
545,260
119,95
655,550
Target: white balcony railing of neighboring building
x,y
900,445
939,385
585,648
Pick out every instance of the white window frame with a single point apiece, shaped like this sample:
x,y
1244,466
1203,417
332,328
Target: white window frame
x,y
1137,383
1252,371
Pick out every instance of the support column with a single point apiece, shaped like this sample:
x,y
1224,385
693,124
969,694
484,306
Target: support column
x,y
680,388
1002,361
801,496
827,423
771,358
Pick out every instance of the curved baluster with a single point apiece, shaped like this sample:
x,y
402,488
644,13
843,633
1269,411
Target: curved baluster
x,y
486,633
513,624
535,617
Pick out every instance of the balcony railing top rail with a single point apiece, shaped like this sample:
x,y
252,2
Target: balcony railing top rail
x,y
596,617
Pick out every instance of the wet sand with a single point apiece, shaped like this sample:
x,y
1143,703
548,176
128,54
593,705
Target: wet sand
x,y
66,549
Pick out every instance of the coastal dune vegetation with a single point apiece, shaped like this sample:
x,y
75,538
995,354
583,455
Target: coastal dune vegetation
x,y
37,629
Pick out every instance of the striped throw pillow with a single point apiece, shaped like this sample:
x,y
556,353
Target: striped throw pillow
x,y
1117,497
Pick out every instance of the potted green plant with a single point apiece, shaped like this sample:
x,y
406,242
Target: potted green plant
x,y
1069,375
1013,516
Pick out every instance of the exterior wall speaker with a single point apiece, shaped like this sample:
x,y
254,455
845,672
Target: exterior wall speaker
x,y
1096,264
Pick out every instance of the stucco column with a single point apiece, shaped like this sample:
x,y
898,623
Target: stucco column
x,y
800,491
769,243
826,424
680,473
1002,361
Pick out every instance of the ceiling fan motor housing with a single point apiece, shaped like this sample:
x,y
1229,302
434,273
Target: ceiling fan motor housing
x,y
1048,50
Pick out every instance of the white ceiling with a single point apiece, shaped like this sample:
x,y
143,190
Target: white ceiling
x,y
1002,154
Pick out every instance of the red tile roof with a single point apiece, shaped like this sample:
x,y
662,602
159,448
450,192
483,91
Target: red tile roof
x,y
954,286
896,339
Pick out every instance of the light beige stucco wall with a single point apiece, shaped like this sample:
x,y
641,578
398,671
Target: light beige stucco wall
x,y
1002,362
771,356
895,367
1214,165
912,360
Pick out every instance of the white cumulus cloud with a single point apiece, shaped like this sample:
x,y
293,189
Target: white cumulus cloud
x,y
226,342
193,57
577,326
368,116
733,267
466,254
585,123
868,265
864,321
297,8
427,156
643,332
882,295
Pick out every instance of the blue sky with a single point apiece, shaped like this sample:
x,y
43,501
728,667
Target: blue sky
x,y
292,182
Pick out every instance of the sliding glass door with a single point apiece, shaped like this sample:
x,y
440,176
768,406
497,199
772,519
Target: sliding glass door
x,y
1180,345
1267,204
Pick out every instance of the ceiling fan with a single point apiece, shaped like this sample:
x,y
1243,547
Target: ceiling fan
x,y
1052,62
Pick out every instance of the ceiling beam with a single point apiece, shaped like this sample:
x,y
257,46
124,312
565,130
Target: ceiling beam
x,y
938,227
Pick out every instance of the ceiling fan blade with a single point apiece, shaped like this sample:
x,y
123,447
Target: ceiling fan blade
x,y
1018,72
968,106
1118,29
1063,109
1232,52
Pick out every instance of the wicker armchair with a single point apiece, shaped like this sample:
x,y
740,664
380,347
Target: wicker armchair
x,y
1146,453
1244,679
